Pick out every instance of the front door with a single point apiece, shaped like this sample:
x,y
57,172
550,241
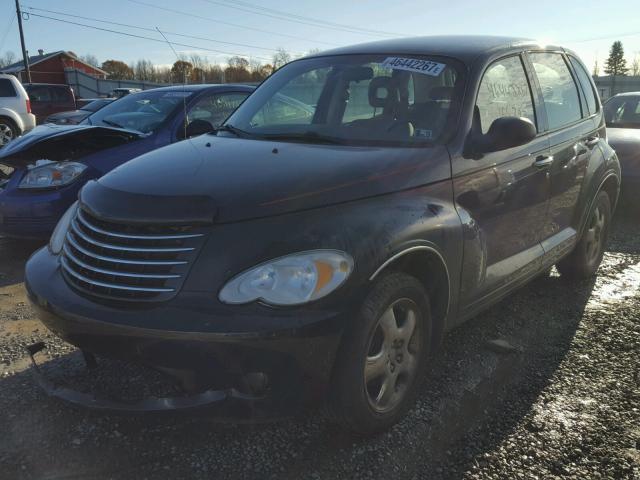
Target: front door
x,y
502,196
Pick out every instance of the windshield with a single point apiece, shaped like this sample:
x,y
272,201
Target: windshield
x,y
623,111
143,112
353,99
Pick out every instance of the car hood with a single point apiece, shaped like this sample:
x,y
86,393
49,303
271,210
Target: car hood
x,y
227,179
626,143
63,142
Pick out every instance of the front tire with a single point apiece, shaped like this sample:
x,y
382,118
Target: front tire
x,y
382,356
8,131
584,260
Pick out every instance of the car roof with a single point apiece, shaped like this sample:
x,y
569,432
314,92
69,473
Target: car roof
x,y
466,48
59,85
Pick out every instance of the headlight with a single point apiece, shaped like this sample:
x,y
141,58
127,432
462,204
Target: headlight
x,y
58,235
51,175
290,280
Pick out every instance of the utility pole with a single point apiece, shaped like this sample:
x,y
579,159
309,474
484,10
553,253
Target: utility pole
x,y
25,58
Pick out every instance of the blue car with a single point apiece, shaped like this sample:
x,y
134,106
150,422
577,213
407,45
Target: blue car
x,y
42,172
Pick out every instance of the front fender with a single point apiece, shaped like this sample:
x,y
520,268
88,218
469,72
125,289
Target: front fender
x,y
372,231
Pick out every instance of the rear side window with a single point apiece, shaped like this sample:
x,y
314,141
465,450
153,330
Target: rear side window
x,y
559,91
6,88
585,83
504,92
39,94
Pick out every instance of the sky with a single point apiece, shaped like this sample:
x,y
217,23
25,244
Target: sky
x,y
586,26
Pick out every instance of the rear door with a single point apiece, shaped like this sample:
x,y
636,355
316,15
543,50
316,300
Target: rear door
x,y
573,136
62,99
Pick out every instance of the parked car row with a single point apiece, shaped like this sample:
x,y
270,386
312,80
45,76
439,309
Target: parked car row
x,y
622,114
316,244
52,163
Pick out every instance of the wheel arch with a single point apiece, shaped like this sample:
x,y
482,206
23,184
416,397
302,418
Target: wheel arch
x,y
13,117
427,264
611,185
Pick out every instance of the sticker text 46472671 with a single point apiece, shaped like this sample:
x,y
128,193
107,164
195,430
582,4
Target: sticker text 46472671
x,y
426,67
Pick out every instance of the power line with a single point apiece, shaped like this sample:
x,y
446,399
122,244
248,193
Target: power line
x,y
4,36
150,29
593,39
221,22
144,38
287,17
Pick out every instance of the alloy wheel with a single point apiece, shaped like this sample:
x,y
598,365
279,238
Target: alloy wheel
x,y
393,355
594,236
6,134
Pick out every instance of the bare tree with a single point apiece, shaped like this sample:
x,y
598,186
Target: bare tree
x,y
596,69
214,74
8,58
635,65
281,58
90,59
144,70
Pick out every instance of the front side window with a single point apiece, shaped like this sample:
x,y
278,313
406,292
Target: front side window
x,y
504,92
370,99
560,92
143,112
216,108
623,111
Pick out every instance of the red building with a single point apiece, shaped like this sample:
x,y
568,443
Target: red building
x,y
49,67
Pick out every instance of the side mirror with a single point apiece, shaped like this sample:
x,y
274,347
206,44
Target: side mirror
x,y
504,133
197,127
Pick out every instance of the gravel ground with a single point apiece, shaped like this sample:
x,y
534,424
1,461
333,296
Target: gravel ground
x,y
562,402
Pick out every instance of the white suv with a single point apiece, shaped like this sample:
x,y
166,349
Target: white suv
x,y
15,109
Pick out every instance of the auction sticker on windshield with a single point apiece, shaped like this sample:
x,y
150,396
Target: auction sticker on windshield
x,y
414,65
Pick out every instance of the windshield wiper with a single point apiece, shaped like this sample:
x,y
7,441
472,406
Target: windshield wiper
x,y
306,137
227,127
112,123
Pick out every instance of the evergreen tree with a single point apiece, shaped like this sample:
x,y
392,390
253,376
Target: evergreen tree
x,y
616,64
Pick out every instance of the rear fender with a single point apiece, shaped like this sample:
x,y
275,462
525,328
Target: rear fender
x,y
15,118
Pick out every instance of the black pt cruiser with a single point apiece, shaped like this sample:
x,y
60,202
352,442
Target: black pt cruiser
x,y
358,204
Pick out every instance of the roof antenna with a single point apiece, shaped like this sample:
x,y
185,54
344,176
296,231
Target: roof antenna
x,y
184,82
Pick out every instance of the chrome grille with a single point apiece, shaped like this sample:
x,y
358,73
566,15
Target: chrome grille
x,y
118,261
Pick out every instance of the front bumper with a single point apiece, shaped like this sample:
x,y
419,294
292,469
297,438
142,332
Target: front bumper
x,y
32,214
189,338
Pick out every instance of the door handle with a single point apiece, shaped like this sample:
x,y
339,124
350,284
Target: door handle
x,y
592,140
543,161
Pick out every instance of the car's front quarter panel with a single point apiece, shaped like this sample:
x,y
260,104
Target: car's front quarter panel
x,y
371,231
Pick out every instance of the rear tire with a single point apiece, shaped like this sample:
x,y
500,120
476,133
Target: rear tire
x,y
382,356
8,130
584,260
